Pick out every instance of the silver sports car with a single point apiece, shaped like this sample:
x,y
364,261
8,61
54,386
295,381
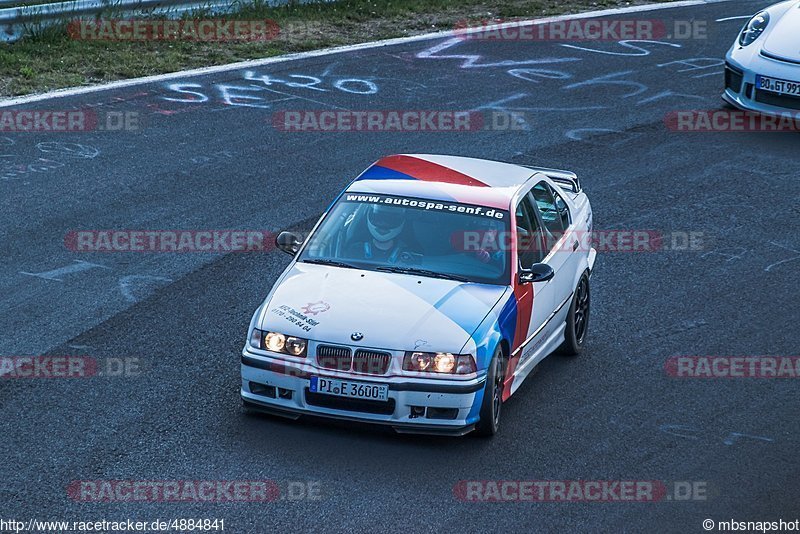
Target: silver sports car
x,y
762,71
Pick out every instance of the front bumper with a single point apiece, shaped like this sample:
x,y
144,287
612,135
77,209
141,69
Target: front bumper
x,y
275,385
741,68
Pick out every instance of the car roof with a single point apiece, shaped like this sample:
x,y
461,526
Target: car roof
x,y
446,178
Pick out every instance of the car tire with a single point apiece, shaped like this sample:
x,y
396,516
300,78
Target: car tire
x,y
577,324
492,404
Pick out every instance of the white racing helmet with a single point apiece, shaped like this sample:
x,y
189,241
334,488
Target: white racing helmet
x,y
385,222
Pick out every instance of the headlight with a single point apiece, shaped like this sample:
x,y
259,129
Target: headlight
x,y
754,28
295,346
277,342
439,362
274,341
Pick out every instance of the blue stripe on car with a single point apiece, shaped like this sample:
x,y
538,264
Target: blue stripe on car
x,y
376,172
503,327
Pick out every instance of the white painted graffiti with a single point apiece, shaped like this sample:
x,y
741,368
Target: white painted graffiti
x,y
128,285
471,61
58,155
69,150
254,94
348,85
695,434
700,67
632,49
57,275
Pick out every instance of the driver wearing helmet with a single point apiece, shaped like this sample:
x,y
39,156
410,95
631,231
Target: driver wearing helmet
x,y
385,241
484,241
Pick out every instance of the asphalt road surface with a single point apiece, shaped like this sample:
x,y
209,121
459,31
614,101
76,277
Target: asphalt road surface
x,y
206,156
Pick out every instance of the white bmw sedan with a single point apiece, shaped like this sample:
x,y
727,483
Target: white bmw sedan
x,y
424,296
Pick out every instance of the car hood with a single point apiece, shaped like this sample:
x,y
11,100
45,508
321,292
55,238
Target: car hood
x,y
781,40
391,311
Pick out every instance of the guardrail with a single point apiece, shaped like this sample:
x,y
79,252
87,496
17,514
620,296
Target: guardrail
x,y
16,21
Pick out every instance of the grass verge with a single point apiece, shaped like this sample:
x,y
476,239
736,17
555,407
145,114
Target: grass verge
x,y
52,59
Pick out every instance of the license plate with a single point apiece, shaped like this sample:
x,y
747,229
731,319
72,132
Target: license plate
x,y
774,85
351,390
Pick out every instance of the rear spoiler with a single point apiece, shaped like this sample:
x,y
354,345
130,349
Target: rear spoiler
x,y
565,179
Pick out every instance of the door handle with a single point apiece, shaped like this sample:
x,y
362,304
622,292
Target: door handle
x,y
574,246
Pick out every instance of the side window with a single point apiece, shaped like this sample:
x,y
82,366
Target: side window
x,y
529,247
563,210
553,211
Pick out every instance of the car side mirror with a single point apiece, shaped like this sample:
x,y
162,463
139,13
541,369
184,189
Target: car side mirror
x,y
289,242
539,272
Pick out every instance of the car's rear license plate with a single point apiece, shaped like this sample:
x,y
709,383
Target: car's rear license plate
x,y
775,85
348,389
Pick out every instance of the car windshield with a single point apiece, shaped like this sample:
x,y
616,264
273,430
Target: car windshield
x,y
415,236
